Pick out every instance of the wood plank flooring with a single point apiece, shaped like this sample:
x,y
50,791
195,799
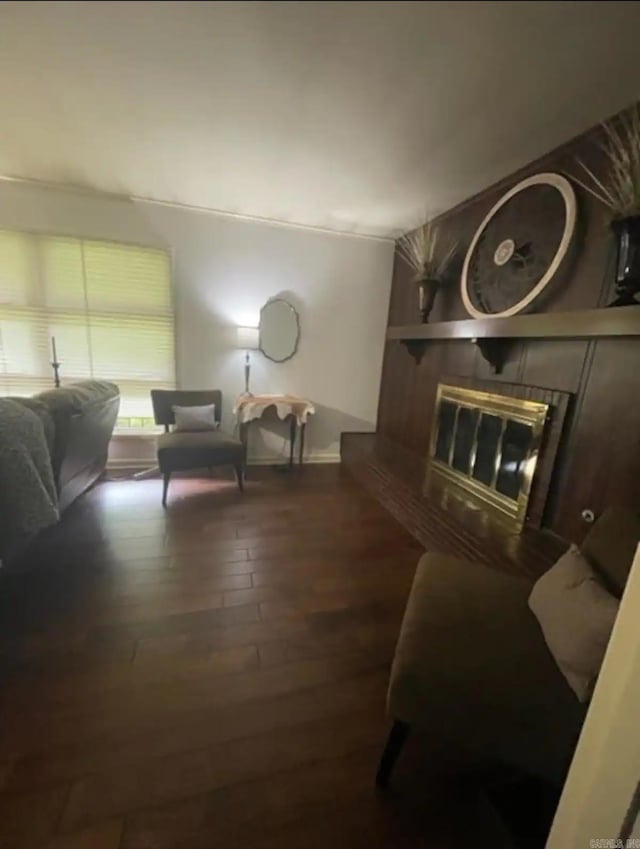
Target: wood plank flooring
x,y
210,675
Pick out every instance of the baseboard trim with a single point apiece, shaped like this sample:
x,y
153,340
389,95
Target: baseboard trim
x,y
136,464
280,459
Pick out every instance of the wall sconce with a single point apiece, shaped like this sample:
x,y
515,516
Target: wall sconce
x,y
247,338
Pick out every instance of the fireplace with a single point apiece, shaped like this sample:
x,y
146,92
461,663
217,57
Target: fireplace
x,y
488,445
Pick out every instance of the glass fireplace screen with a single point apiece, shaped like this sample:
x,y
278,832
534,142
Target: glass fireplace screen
x,y
488,444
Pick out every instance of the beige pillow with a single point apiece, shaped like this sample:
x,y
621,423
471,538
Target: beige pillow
x,y
576,614
195,418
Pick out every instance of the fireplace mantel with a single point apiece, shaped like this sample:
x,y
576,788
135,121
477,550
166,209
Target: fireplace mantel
x,y
494,336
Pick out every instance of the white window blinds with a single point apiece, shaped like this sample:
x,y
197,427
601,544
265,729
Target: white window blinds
x,y
108,305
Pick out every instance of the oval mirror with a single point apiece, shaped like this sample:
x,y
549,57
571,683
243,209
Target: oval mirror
x,y
279,330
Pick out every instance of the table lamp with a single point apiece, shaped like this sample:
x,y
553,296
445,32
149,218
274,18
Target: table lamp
x,y
247,338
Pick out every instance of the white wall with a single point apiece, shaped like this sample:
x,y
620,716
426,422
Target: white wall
x,y
606,766
225,269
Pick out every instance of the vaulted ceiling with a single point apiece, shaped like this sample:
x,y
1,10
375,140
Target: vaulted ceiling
x,y
352,116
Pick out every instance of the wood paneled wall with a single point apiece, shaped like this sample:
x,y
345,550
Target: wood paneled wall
x,y
599,458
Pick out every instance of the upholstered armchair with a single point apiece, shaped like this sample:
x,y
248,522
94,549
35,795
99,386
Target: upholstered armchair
x,y
183,450
472,669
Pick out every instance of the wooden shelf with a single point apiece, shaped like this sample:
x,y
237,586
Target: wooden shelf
x,y
492,335
617,321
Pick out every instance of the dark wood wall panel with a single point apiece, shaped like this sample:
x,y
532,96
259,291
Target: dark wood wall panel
x,y
554,364
603,450
598,458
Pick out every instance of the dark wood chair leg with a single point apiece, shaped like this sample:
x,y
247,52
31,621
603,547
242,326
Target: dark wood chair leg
x,y
166,477
239,470
395,741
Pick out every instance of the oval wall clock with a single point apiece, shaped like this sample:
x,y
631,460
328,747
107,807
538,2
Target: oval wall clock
x,y
518,247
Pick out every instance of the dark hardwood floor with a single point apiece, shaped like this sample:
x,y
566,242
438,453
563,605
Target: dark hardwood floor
x,y
213,674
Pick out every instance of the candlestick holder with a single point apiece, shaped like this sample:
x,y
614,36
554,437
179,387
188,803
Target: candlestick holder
x,y
55,364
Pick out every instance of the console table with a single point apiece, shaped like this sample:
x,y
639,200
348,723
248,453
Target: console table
x,y
249,408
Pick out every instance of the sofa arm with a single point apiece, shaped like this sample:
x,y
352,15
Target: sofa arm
x,y
84,416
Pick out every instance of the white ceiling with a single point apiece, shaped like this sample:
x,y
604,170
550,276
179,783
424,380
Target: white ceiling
x,y
352,116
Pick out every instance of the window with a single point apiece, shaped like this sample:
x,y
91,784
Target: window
x,y
108,305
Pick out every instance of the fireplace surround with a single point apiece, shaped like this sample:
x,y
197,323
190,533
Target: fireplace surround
x,y
487,444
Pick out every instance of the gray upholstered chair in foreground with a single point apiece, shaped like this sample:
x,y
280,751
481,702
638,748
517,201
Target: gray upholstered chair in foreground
x,y
180,451
472,670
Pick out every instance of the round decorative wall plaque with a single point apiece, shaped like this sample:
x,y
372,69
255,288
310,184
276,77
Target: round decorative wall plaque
x,y
518,247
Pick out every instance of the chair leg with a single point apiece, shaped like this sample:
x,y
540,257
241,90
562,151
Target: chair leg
x,y
166,477
395,741
239,470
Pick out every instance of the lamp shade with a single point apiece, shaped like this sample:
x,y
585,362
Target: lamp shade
x,y
247,337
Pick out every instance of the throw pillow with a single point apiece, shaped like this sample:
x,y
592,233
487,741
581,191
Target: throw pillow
x,y
195,418
576,614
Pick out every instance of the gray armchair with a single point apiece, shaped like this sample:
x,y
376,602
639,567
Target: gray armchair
x,y
185,450
472,669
